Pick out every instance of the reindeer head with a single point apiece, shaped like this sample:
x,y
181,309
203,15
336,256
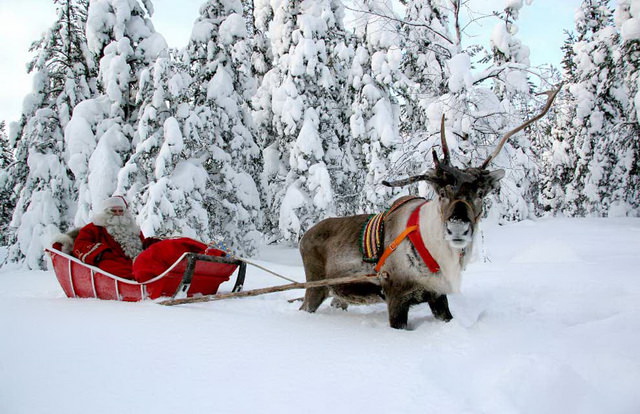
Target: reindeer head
x,y
461,192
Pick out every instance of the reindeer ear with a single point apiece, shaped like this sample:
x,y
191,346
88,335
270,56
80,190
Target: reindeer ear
x,y
495,176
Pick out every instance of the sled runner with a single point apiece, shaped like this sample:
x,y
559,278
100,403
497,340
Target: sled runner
x,y
192,273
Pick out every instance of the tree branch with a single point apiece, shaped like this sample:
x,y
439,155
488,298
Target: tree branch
x,y
404,22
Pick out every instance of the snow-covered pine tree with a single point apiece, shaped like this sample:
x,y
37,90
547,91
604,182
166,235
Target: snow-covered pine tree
x,y
599,104
121,35
156,103
374,71
482,96
63,76
6,159
165,172
261,58
557,153
626,171
174,204
454,95
428,44
267,76
510,63
219,54
344,169
300,101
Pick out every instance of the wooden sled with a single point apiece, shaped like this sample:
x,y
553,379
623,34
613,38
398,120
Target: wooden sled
x,y
192,274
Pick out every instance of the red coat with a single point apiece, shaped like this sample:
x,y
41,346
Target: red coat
x,y
93,241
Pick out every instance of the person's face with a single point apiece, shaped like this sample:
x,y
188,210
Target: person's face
x,y
117,211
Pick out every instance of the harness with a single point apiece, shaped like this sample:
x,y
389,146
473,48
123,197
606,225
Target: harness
x,y
413,232
372,236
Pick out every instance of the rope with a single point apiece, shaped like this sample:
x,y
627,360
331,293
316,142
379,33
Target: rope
x,y
264,268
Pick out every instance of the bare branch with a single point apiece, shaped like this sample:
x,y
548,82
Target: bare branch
x,y
395,19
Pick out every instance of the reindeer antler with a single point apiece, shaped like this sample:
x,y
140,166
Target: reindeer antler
x,y
551,95
406,181
443,142
444,164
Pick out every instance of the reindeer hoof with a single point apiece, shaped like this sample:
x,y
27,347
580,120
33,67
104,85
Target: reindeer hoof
x,y
339,304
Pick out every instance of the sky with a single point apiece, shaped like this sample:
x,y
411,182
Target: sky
x,y
23,21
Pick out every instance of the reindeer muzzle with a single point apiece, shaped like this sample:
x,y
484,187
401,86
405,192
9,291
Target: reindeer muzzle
x,y
459,223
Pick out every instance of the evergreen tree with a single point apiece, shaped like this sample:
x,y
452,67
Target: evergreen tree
x,y
220,57
427,46
5,150
299,101
374,122
510,63
43,191
121,35
624,182
6,159
479,106
156,103
557,156
165,173
262,57
598,109
568,56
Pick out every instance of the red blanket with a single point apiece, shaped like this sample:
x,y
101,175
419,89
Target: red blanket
x,y
157,258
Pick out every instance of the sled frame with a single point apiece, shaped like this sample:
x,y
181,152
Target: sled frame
x,y
183,286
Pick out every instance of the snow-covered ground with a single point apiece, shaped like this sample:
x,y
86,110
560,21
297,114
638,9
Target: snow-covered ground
x,y
549,324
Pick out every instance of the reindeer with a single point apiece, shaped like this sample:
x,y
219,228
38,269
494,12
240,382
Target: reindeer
x,y
406,277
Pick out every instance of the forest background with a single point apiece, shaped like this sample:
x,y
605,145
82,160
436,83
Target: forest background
x,y
280,113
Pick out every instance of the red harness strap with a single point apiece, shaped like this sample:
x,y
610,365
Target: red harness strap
x,y
418,243
413,232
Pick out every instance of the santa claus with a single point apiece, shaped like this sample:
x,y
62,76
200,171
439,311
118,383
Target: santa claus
x,y
112,240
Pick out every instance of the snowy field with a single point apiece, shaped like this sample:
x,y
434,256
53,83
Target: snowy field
x,y
549,324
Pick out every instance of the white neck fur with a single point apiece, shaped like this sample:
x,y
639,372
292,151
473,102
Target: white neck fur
x,y
451,260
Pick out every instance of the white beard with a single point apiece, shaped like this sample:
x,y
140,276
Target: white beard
x,y
124,231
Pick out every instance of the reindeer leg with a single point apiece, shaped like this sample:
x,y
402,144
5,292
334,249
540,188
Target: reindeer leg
x,y
398,309
439,306
339,303
313,298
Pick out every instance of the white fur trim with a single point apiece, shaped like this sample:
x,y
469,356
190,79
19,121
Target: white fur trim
x,y
65,241
87,254
116,201
100,218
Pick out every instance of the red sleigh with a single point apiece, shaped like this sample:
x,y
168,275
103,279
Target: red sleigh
x,y
191,274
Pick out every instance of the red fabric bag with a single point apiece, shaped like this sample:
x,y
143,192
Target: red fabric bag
x,y
157,258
